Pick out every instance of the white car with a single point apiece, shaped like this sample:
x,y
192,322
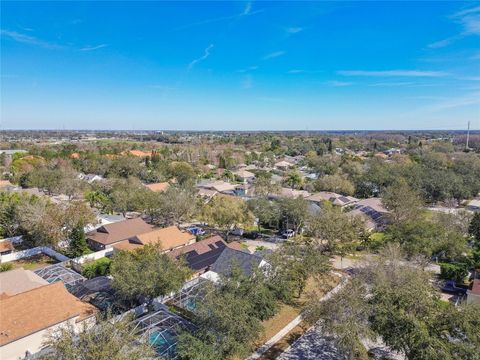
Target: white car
x,y
288,233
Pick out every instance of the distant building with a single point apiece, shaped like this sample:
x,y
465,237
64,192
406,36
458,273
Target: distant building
x,y
334,198
158,187
283,165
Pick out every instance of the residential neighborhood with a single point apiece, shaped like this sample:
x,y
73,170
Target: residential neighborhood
x,y
239,180
153,246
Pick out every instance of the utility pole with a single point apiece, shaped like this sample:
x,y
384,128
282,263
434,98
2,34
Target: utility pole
x,y
468,136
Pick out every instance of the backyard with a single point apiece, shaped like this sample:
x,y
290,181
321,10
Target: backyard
x,y
34,262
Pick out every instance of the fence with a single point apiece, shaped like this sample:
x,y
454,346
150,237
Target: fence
x,y
17,255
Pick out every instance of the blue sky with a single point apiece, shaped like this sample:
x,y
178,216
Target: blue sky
x,y
240,65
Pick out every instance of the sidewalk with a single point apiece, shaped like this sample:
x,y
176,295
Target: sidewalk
x,y
291,325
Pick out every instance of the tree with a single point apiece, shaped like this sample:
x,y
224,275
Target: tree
x,y
267,212
395,300
294,213
226,212
78,243
172,206
146,272
336,231
403,203
106,340
427,238
474,228
264,186
293,179
228,318
290,268
335,183
182,171
99,200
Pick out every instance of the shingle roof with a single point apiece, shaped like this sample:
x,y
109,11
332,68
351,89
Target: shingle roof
x,y
200,255
229,257
6,245
168,238
115,232
37,309
19,280
158,187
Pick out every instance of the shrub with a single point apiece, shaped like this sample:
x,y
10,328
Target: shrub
x,y
6,267
453,271
100,267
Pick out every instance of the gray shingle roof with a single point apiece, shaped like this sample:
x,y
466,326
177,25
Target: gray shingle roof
x,y
229,257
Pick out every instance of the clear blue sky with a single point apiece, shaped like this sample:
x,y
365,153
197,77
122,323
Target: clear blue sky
x,y
240,65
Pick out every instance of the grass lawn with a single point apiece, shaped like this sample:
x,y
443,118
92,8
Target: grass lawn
x,y
34,262
289,312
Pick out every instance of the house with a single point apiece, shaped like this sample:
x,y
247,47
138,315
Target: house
x,y
200,256
294,159
107,235
17,281
231,257
6,247
373,211
219,186
206,194
334,198
473,294
283,165
158,187
137,153
290,193
90,178
27,318
168,238
244,175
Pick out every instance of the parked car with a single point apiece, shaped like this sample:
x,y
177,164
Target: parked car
x,y
237,232
195,230
288,233
451,287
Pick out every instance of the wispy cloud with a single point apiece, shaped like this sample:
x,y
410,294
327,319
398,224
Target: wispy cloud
x,y
337,83
294,30
392,73
91,48
206,54
247,82
247,11
295,71
472,98
27,39
247,69
469,20
392,84
273,55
